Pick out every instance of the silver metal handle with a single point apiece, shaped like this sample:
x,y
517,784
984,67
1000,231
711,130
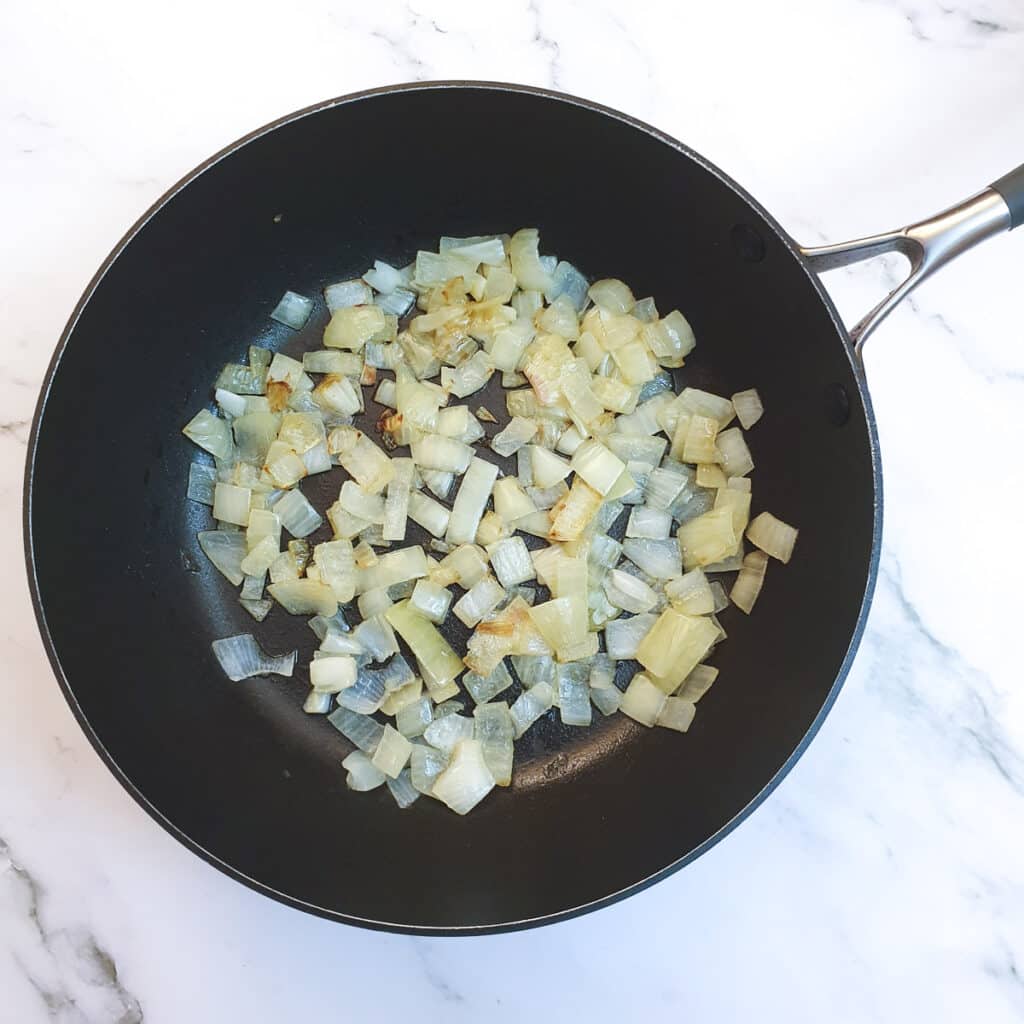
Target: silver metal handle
x,y
928,245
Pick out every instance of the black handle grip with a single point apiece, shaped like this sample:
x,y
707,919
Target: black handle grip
x,y
1011,188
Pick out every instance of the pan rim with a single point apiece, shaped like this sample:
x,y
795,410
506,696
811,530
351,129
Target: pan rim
x,y
392,926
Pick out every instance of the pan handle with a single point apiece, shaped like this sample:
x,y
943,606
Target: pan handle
x,y
928,244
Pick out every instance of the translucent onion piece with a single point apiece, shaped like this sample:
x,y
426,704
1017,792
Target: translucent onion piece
x,y
226,551
514,436
430,648
292,310
623,637
332,675
392,753
201,480
597,466
658,558
629,593
242,657
345,294
612,295
479,601
470,502
674,646
376,638
297,515
574,695
708,538
352,327
363,775
649,523
384,278
485,688
748,407
402,789
733,453
365,695
697,683
530,705
446,731
429,514
210,433
495,730
772,536
361,730
304,597
396,505
691,593
398,303
316,703
526,264
466,780
431,601
259,609
414,718
432,451
607,701
425,765
749,581
511,562
643,701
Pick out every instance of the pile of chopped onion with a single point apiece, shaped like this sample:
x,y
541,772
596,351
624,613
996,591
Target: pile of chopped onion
x,y
580,543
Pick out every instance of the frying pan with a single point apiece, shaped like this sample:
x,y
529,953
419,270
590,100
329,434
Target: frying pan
x,y
127,606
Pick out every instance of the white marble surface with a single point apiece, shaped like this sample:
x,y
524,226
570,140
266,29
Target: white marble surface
x,y
884,880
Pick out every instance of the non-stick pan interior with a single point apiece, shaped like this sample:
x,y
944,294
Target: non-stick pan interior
x,y
130,605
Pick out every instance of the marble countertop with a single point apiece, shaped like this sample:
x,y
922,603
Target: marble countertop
x,y
884,879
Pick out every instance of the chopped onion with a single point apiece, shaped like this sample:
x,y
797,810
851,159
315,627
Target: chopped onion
x,y
674,645
733,453
429,514
629,593
210,433
514,436
363,775
479,601
676,713
658,558
495,730
392,753
431,601
297,515
425,765
304,597
359,729
242,657
511,562
643,701
226,551
748,407
773,536
292,310
413,719
466,780
648,523
446,731
708,538
429,647
432,451
623,636
574,694
470,501
485,688
530,705
607,701
612,296
345,294
332,675
697,683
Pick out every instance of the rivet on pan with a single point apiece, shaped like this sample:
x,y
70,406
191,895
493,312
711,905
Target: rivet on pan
x,y
748,243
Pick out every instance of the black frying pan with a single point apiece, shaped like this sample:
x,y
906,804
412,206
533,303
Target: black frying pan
x,y
127,606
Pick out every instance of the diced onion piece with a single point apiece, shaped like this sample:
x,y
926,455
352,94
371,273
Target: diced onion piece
x,y
260,558
649,523
677,714
426,643
297,515
597,466
495,730
392,753
479,601
292,310
429,514
384,278
402,789
733,453
470,501
675,644
347,293
485,688
710,475
226,551
351,327
574,694
513,437
526,264
530,705
748,407
623,636
396,506
425,765
360,458
304,597
210,433
446,730
431,601
395,567
415,717
336,563
658,558
359,729
573,513
643,701
242,657
697,683
629,593
772,536
332,675
612,296
363,775
365,695
466,780
707,538
511,561
691,593
432,451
